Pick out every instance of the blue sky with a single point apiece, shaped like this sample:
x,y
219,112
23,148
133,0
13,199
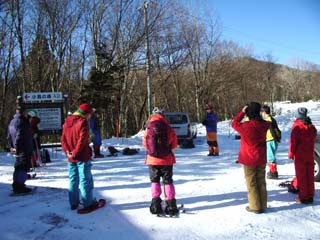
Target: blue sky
x,y
286,29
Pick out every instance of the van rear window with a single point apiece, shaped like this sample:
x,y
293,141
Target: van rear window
x,y
177,119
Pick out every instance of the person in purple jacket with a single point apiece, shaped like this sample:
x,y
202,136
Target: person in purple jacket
x,y
210,122
19,141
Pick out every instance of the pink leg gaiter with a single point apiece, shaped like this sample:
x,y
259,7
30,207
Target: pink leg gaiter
x,y
170,191
155,190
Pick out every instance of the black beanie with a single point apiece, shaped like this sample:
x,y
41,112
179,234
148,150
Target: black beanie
x,y
253,110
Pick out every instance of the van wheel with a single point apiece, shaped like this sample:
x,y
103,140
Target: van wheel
x,y
316,168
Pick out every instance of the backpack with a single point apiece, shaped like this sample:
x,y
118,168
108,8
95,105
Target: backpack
x,y
275,131
113,151
45,156
157,139
130,151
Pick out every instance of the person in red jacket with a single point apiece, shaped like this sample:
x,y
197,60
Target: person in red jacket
x,y
159,139
253,154
301,150
75,144
34,129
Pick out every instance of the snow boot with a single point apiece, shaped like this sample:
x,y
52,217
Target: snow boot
x,y
171,208
97,154
19,188
273,173
292,189
254,211
93,205
74,207
155,207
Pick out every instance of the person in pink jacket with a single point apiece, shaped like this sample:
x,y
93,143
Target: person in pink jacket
x,y
159,140
301,150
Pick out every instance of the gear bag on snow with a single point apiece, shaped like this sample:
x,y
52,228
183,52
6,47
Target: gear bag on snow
x,y
157,139
45,156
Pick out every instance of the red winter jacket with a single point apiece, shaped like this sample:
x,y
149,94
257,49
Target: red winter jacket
x,y
253,140
172,139
75,138
302,141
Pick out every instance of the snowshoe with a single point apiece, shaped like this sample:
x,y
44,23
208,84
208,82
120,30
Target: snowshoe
x,y
94,206
31,175
285,184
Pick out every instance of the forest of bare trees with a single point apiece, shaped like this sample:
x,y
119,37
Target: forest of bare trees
x,y
95,51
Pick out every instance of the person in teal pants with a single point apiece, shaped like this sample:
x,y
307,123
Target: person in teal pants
x,y
75,143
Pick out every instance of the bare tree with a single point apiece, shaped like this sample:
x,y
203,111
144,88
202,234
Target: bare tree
x,y
7,45
200,41
61,18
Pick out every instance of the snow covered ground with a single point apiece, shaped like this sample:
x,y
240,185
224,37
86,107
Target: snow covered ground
x,y
212,189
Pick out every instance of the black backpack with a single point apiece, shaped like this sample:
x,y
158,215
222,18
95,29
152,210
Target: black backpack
x,y
130,151
45,156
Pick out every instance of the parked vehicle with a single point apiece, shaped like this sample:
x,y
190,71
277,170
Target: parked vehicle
x,y
317,160
185,129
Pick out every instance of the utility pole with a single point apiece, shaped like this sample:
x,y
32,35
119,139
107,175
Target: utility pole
x,y
148,71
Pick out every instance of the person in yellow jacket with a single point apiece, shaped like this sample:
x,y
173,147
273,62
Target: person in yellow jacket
x,y
272,140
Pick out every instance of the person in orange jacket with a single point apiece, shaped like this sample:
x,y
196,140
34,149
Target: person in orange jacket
x,y
301,150
160,139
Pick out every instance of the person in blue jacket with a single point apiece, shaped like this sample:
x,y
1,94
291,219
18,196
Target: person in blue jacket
x,y
210,122
96,134
19,141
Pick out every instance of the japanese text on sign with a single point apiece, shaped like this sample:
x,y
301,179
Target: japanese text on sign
x,y
42,96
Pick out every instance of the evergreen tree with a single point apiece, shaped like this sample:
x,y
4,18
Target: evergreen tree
x,y
40,65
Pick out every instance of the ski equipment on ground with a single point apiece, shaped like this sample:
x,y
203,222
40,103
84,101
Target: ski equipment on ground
x,y
31,175
181,209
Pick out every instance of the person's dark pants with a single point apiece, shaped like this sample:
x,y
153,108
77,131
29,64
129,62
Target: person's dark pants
x,y
164,172
20,173
19,178
305,178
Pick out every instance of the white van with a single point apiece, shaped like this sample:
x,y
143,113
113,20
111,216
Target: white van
x,y
184,128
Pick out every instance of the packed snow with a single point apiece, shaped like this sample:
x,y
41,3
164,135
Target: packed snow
x,y
212,189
